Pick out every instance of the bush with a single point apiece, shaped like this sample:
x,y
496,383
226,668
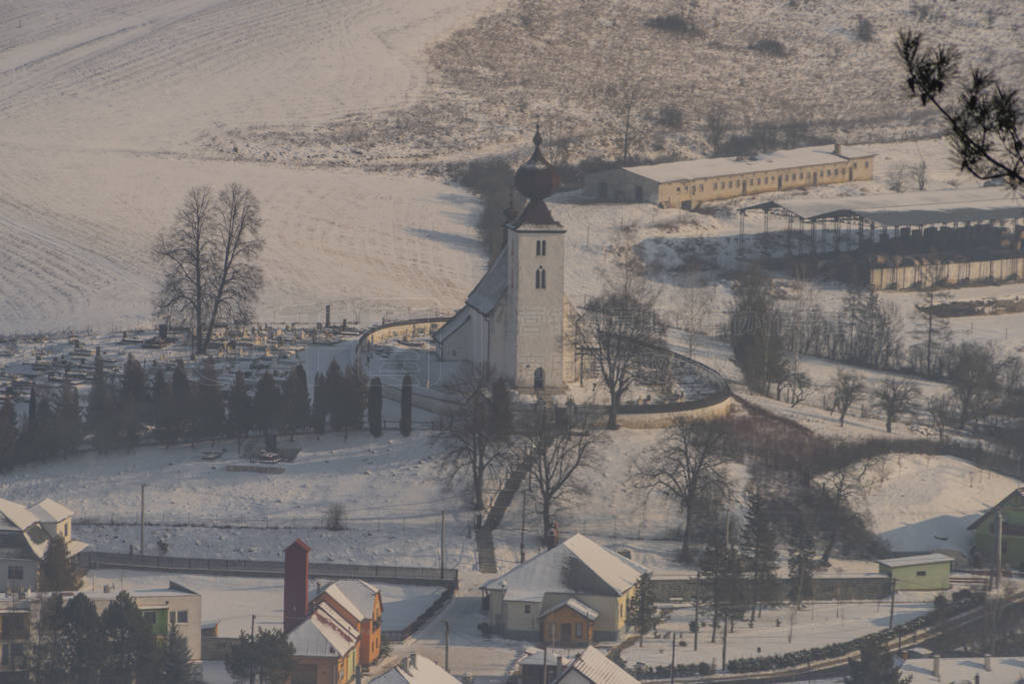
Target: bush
x,y
677,23
670,117
334,519
769,46
865,30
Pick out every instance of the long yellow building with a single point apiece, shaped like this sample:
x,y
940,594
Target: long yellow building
x,y
687,184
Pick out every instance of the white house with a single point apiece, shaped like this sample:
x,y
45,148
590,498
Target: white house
x,y
25,535
416,669
164,609
576,581
516,318
592,667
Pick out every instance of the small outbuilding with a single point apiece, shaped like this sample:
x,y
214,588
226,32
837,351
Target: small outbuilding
x,y
927,572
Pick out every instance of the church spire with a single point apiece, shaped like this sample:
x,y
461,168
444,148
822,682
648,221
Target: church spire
x,y
536,179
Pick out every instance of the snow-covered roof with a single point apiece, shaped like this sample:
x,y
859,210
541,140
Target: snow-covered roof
x,y
924,559
355,596
577,565
324,634
1016,492
575,605
49,511
909,208
597,668
729,166
415,669
1004,669
489,291
17,516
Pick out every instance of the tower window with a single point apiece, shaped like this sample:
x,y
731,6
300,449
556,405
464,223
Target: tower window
x,y
540,279
542,247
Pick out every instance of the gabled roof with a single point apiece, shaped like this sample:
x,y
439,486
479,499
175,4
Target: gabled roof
x,y
452,325
977,523
324,634
355,596
576,566
17,516
575,605
595,667
924,559
49,511
728,166
491,288
416,669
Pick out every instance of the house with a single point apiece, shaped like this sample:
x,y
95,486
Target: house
x,y
592,667
983,670
326,648
535,660
19,617
176,606
928,572
1011,509
25,535
572,594
416,669
517,320
359,603
687,184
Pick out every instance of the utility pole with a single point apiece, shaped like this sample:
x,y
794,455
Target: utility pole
x,y
672,670
442,547
999,547
142,523
728,604
252,639
696,611
522,530
544,670
892,601
725,633
446,630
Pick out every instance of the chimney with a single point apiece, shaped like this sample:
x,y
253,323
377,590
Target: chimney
x,y
988,663
935,667
296,584
837,150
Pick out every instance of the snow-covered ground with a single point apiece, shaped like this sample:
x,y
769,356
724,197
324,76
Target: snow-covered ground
x,y
817,624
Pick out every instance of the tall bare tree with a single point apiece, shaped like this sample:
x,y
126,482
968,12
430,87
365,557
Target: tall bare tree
x,y
472,434
847,388
895,397
560,446
208,256
688,468
625,335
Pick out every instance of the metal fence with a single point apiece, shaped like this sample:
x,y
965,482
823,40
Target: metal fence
x,y
93,560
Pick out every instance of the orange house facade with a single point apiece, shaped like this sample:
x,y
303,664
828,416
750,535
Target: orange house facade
x,y
359,603
569,623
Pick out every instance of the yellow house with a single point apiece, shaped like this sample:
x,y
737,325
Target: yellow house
x,y
928,572
687,184
530,597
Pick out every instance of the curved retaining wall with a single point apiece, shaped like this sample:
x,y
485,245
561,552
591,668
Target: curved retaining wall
x,y
648,416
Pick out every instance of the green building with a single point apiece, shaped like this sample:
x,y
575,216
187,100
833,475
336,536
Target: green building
x,y
929,572
984,528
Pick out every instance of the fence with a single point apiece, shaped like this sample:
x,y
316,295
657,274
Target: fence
x,y
865,587
93,560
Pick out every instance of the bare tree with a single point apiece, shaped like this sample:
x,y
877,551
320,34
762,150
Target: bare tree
x,y
559,445
985,118
941,414
716,126
896,178
932,329
974,375
471,435
895,397
688,468
694,312
795,387
847,388
919,173
625,335
838,490
628,93
209,261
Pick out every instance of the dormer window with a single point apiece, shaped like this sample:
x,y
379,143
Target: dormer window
x,y
540,279
542,247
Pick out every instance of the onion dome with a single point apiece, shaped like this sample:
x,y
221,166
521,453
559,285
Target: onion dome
x,y
536,179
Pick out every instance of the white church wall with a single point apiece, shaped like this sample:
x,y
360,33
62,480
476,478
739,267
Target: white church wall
x,y
539,310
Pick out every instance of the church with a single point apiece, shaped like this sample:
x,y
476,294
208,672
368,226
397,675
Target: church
x,y
516,319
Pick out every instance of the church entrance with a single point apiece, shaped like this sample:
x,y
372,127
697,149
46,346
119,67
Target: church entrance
x,y
538,379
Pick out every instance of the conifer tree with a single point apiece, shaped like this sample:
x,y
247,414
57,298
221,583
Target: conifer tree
x,y
296,400
101,414
68,419
8,434
266,656
405,422
176,665
334,391
44,438
209,402
266,404
181,401
721,565
641,612
801,560
133,654
319,413
375,408
353,398
163,410
133,401
759,550
239,408
57,572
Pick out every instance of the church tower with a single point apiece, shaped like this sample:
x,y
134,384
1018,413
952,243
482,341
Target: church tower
x,y
536,281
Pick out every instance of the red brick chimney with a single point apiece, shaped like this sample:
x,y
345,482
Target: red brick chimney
x,y
296,584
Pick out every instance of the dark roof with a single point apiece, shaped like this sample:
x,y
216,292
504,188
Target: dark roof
x,y
977,523
491,288
300,544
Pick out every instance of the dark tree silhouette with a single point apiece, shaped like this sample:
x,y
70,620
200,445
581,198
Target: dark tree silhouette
x,y
374,407
405,422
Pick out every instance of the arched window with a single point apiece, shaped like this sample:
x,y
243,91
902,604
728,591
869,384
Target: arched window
x,y
540,279
538,378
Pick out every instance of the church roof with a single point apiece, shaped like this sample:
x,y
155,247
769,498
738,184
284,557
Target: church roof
x,y
491,288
